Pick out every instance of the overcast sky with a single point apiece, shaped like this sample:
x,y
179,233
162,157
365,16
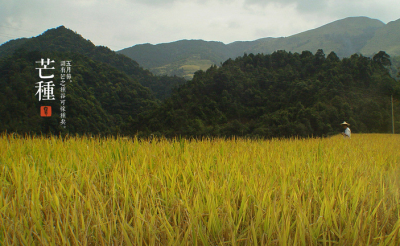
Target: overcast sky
x,y
123,23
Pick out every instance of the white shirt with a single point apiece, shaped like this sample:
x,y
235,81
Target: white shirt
x,y
347,132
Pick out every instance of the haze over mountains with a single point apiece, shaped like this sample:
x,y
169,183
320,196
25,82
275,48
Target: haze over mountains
x,y
345,37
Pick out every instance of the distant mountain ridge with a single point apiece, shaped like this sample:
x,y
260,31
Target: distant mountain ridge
x,y
345,37
386,38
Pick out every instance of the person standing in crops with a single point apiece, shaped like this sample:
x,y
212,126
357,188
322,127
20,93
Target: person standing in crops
x,y
347,132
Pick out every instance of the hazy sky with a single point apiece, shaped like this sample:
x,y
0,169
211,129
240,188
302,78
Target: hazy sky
x,y
123,23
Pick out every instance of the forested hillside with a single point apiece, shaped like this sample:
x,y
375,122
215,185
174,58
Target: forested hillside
x,y
107,93
99,100
280,95
62,39
277,95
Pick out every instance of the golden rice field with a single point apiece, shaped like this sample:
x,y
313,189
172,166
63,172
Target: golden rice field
x,y
96,191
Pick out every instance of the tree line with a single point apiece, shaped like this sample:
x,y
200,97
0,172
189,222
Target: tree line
x,y
282,94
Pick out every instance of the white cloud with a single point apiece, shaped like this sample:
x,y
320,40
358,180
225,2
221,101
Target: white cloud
x,y
122,23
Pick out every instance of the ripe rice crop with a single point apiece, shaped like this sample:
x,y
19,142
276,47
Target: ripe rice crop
x,y
115,191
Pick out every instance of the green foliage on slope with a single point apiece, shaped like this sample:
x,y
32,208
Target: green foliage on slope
x,y
395,67
280,95
100,99
62,39
171,58
386,38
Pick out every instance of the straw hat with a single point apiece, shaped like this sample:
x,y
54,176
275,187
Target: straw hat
x,y
345,123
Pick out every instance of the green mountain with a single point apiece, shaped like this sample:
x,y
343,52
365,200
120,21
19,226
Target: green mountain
x,y
105,96
9,47
386,38
100,98
280,95
62,39
345,37
183,57
265,95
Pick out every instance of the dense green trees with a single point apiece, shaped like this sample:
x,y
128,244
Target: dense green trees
x,y
280,95
62,39
108,93
100,98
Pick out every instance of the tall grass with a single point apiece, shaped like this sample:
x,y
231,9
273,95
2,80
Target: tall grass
x,y
98,191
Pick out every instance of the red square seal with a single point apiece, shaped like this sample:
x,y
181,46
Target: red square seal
x,y
45,111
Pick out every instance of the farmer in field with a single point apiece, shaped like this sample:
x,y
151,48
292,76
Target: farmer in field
x,y
347,132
